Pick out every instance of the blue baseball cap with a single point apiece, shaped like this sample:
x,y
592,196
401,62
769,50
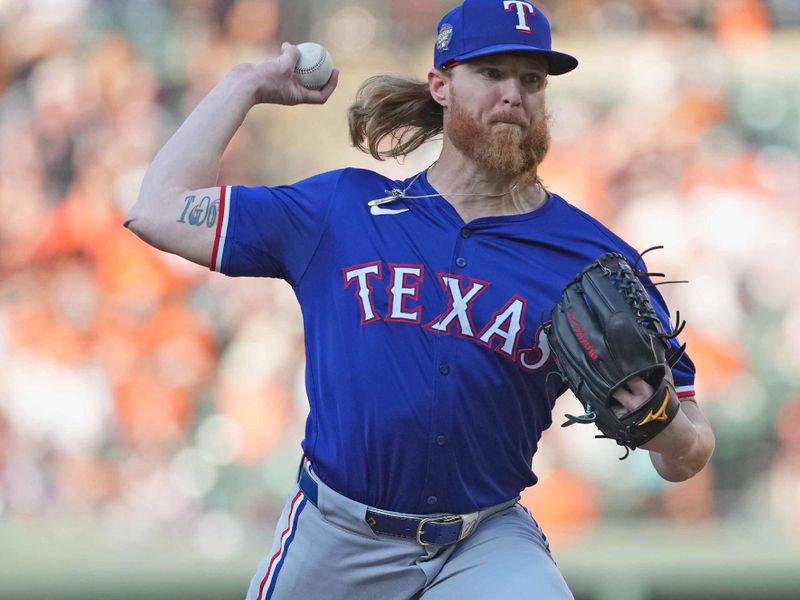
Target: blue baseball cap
x,y
481,27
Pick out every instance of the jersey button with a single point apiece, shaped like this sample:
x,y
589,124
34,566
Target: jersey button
x,y
441,440
444,369
466,233
432,500
461,262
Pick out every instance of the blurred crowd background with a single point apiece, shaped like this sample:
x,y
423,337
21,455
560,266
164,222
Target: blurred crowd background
x,y
150,395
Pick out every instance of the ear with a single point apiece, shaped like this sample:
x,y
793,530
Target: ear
x,y
439,86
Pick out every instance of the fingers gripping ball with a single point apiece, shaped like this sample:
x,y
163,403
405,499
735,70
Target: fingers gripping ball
x,y
314,67
604,333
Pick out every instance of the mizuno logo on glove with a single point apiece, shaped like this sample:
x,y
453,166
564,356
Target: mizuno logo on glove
x,y
659,415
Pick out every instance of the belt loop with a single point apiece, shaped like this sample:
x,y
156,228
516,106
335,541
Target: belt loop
x,y
468,523
308,486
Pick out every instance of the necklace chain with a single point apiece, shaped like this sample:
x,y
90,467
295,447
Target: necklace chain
x,y
397,194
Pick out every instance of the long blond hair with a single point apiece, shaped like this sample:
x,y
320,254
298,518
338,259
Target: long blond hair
x,y
393,107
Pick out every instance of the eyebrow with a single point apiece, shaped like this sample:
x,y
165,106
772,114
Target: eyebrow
x,y
491,61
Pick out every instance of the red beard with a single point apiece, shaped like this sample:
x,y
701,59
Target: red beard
x,y
506,153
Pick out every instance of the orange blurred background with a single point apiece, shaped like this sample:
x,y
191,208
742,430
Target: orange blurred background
x,y
153,395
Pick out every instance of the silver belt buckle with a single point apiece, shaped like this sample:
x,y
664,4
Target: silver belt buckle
x,y
441,520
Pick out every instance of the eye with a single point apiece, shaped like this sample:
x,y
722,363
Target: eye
x,y
532,79
491,73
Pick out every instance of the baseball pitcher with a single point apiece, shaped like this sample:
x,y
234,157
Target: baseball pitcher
x,y
444,315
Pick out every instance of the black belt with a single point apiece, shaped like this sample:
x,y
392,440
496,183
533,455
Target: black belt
x,y
440,530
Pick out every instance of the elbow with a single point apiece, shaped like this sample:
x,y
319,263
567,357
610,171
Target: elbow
x,y
707,445
682,472
137,221
130,221
141,218
134,221
706,442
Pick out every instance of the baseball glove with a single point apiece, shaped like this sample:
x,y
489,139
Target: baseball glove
x,y
604,332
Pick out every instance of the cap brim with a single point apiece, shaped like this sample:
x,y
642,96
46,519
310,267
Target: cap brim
x,y
558,62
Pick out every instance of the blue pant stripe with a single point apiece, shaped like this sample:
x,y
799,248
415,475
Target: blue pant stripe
x,y
271,588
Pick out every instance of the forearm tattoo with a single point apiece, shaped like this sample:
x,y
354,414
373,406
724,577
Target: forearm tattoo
x,y
199,212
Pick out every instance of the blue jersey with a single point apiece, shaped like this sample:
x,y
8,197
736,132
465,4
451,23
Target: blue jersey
x,y
428,375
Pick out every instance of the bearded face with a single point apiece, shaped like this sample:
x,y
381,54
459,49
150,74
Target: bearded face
x,y
504,150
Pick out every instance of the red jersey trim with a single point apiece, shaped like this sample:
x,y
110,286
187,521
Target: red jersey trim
x,y
222,225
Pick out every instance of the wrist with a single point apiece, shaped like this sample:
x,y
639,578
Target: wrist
x,y
242,81
677,440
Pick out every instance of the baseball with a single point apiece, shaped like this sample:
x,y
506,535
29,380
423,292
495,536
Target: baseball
x,y
314,67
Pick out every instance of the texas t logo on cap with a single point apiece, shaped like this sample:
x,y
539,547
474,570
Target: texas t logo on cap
x,y
523,10
481,27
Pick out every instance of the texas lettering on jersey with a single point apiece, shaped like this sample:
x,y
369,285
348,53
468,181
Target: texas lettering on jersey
x,y
502,331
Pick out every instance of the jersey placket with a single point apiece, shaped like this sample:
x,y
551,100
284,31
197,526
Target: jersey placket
x,y
445,396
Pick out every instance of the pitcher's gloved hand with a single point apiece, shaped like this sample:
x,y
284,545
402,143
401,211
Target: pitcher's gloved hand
x,y
614,353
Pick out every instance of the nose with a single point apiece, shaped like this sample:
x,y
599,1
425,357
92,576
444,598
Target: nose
x,y
512,92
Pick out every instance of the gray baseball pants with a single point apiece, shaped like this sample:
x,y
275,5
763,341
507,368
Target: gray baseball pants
x,y
328,552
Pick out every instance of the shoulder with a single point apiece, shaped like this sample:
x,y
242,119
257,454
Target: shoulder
x,y
347,182
349,175
354,186
585,225
355,175
352,182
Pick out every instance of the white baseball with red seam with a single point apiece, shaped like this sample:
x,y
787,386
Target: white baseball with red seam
x,y
314,67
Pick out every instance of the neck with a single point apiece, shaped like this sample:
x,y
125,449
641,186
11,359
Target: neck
x,y
476,193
